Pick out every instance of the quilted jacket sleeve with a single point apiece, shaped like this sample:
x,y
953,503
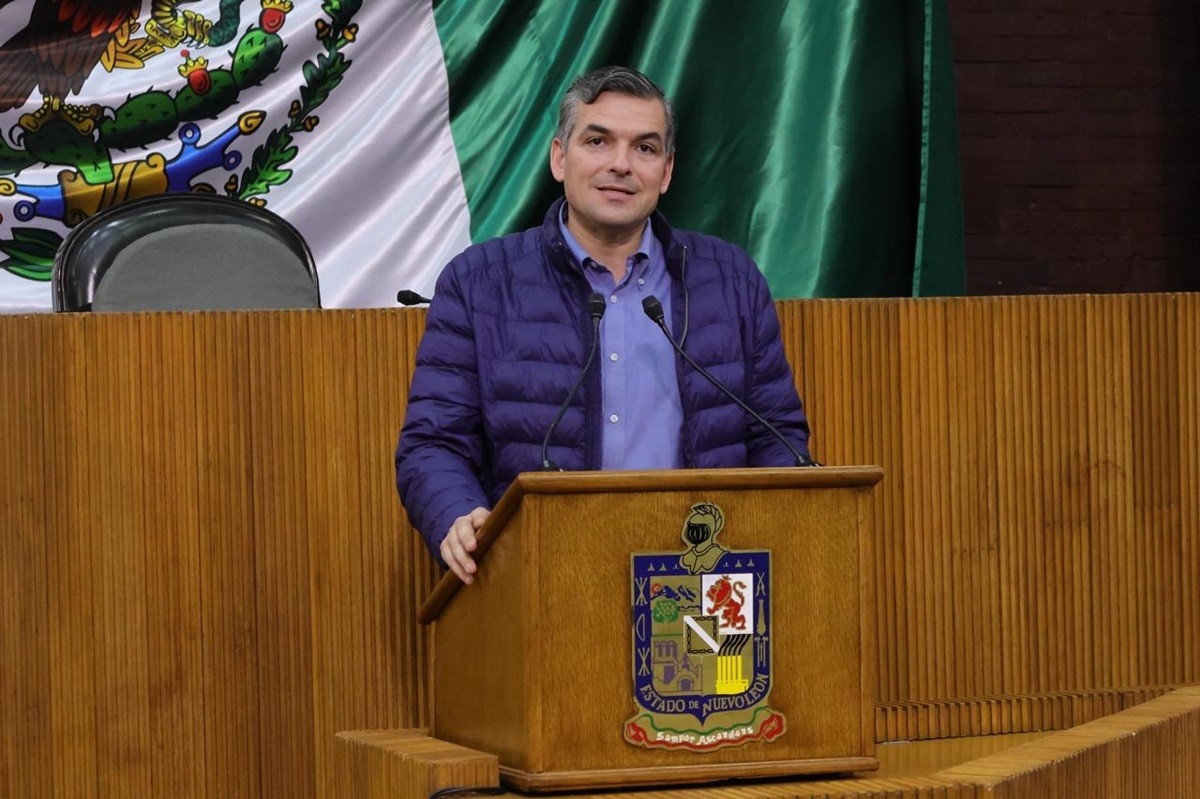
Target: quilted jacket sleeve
x,y
772,390
440,453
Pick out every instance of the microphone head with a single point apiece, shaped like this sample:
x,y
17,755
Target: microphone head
x,y
653,308
410,297
596,305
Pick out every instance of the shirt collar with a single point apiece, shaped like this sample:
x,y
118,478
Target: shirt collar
x,y
647,247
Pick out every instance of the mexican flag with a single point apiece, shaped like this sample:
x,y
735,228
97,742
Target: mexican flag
x,y
818,134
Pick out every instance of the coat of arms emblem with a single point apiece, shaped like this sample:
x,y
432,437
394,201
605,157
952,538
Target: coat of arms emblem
x,y
702,643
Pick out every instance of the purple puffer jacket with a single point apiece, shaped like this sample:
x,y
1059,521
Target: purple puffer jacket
x,y
506,335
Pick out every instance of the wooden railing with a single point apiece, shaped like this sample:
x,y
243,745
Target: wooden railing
x,y
205,573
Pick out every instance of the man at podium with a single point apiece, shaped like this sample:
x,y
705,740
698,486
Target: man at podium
x,y
541,348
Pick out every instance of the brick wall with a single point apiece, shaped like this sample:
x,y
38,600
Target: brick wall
x,y
1080,131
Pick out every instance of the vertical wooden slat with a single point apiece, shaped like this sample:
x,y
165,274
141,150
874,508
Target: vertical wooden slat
x,y
111,457
69,574
873,397
971,429
1008,411
165,369
25,557
1188,359
335,536
229,628
372,405
293,664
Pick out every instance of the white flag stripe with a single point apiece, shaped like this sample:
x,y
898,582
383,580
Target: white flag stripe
x,y
380,196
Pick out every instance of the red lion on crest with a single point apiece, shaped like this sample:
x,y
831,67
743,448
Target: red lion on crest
x,y
728,597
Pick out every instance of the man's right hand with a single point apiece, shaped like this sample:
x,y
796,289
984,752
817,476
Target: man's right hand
x,y
459,543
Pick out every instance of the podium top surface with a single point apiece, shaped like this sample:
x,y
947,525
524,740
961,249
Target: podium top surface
x,y
685,479
600,482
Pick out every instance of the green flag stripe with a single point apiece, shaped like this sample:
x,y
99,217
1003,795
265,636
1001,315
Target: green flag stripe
x,y
812,134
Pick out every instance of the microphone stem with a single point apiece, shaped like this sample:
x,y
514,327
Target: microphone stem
x,y
547,464
800,459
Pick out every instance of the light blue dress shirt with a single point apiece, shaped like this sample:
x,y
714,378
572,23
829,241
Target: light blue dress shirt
x,y
643,416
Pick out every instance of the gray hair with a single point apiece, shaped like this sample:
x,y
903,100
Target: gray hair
x,y
620,80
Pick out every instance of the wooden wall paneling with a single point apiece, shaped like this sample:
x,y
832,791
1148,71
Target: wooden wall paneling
x,y
336,581
1054,531
1188,602
1166,581
922,393
335,500
1067,535
1019,426
70,577
841,352
337,644
1147,412
161,352
943,426
877,411
1036,531
1123,578
230,627
1077,520
115,523
1039,540
1095,349
974,579
379,543
1156,477
825,326
284,552
908,526
958,595
402,568
1188,406
1105,359
1165,660
989,414
1164,578
1143,371
384,608
26,749
1065,540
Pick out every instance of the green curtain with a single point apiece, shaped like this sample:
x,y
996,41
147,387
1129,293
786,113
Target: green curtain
x,y
818,134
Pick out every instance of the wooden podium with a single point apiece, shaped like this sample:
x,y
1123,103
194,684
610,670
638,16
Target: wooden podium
x,y
535,661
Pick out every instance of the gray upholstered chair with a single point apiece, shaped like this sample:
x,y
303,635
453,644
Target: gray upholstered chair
x,y
184,252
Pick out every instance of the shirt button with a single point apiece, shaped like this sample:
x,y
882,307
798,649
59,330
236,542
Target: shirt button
x,y
614,418
613,298
641,281
612,356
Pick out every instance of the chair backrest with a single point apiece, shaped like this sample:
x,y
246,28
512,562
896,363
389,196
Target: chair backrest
x,y
184,252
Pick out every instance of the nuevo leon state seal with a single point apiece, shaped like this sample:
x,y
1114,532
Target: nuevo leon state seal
x,y
702,643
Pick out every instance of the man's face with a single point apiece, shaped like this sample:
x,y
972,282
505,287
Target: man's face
x,y
615,166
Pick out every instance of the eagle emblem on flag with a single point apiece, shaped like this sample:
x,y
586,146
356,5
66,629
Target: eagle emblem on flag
x,y
185,129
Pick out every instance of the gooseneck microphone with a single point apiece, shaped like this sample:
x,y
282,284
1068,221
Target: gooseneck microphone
x,y
410,297
596,306
654,310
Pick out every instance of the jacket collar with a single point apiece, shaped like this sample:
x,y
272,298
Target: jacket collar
x,y
560,255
